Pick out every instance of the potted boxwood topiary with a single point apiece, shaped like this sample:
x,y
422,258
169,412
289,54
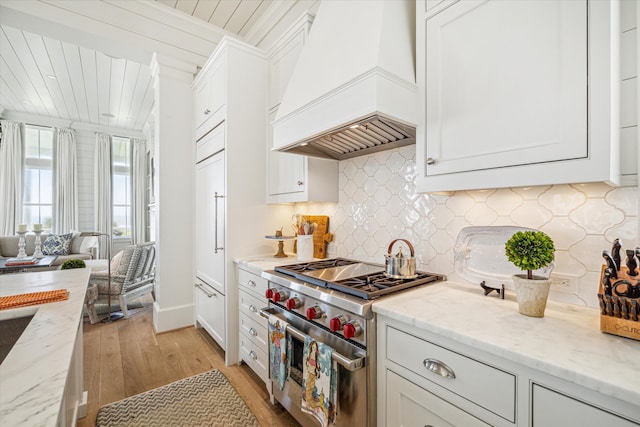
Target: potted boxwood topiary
x,y
73,263
531,250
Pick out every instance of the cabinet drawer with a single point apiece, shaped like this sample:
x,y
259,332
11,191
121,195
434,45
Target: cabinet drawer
x,y
553,409
255,331
256,358
253,283
210,144
250,305
411,406
484,385
210,312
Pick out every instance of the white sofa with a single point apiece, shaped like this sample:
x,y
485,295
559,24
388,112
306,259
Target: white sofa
x,y
82,247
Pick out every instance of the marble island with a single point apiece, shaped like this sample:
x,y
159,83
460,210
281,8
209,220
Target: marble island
x,y
566,343
41,377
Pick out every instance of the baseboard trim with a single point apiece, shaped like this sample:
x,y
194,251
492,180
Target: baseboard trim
x,y
167,319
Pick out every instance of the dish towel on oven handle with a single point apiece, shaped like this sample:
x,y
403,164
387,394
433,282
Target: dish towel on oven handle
x,y
278,350
319,382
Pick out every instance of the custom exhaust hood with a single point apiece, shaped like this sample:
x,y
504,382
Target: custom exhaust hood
x,y
353,89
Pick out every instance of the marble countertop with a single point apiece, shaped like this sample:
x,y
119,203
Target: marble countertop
x,y
34,373
566,342
259,263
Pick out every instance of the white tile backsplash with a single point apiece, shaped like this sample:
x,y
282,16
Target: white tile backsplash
x,y
378,203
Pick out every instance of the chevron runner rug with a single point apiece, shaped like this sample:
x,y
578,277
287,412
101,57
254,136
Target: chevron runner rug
x,y
207,399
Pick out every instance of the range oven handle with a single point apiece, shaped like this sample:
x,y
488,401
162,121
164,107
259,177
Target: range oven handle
x,y
347,363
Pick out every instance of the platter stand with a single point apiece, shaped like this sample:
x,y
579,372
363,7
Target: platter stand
x,y
280,239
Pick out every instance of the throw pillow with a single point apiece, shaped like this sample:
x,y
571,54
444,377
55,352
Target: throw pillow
x,y
57,244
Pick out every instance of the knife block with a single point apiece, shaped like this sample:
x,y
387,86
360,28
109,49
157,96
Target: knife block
x,y
617,323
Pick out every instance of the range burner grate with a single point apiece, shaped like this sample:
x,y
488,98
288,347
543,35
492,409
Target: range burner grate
x,y
373,286
295,269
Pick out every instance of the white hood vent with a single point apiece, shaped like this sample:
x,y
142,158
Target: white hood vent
x,y
353,89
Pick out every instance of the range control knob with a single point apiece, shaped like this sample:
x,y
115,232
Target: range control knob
x,y
293,303
314,312
336,323
352,329
279,296
268,293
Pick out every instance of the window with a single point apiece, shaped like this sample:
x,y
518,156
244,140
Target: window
x,y
38,177
121,183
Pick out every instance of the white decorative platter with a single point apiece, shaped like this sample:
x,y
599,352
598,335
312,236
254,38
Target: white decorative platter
x,y
480,256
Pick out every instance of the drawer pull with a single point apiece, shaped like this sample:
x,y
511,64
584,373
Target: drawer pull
x,y
253,308
252,283
253,332
438,367
253,355
201,286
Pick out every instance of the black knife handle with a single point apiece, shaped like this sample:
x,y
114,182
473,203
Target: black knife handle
x,y
632,264
615,253
603,306
610,264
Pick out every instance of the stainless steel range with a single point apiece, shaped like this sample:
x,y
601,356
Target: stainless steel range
x,y
331,301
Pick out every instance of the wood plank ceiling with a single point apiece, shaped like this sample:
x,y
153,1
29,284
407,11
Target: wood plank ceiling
x,y
52,78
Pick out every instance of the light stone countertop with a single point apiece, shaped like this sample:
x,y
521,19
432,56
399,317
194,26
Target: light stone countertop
x,y
34,373
258,263
566,342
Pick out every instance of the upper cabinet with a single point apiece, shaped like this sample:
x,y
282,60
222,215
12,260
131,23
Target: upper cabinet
x,y
516,93
293,177
209,97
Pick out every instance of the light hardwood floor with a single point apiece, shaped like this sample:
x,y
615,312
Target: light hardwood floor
x,y
126,357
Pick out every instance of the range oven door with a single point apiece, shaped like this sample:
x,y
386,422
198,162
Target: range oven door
x,y
351,382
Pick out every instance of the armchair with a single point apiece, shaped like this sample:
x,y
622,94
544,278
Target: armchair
x,y
132,275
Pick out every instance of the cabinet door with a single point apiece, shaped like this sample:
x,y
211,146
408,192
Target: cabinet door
x,y
506,84
287,172
201,98
553,409
218,88
411,406
210,312
210,224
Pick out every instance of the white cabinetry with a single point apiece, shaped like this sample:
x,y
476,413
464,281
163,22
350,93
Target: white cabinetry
x,y
230,172
409,405
209,98
292,177
254,348
554,409
515,94
210,265
428,379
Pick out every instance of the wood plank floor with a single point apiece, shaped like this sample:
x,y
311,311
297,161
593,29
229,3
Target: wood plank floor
x,y
126,357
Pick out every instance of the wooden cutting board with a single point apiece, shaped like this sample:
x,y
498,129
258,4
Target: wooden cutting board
x,y
321,235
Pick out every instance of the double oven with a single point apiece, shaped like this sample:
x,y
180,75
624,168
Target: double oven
x,y
331,301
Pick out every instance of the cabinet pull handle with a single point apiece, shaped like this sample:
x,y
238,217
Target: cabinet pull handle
x,y
215,222
253,355
209,294
300,182
431,161
438,367
253,308
252,283
252,331
207,111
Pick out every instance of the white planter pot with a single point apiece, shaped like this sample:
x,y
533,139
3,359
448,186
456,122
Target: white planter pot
x,y
531,294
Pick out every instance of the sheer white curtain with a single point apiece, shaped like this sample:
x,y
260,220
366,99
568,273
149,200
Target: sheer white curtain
x,y
10,177
102,185
66,179
138,191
